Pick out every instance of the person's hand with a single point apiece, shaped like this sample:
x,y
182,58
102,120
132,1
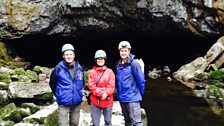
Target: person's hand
x,y
104,96
98,90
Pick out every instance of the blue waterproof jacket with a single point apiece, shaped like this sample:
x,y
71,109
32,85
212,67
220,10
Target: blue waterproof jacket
x,y
68,91
130,81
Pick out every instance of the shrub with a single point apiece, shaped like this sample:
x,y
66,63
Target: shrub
x,y
217,75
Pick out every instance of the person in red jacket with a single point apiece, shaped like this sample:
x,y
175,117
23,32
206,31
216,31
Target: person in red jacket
x,y
101,83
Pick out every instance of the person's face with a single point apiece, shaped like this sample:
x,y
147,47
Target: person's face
x,y
100,61
69,56
124,52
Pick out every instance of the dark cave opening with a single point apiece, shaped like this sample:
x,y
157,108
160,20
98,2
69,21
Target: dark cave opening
x,y
173,50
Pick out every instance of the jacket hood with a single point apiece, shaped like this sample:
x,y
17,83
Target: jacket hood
x,y
130,58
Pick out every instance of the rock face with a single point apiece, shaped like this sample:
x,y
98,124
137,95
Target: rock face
x,y
74,17
204,76
212,60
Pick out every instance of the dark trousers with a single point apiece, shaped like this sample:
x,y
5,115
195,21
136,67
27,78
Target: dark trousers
x,y
96,115
132,113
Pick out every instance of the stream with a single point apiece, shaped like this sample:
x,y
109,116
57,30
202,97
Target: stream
x,y
173,104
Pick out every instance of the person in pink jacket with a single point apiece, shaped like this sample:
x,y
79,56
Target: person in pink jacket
x,y
101,83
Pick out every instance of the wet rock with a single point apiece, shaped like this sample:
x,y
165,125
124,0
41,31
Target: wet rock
x,y
200,93
154,74
47,115
28,90
166,70
31,106
3,86
10,112
3,97
169,79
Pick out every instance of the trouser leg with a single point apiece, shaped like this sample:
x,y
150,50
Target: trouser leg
x,y
125,112
132,113
127,123
95,114
75,115
63,115
107,112
135,113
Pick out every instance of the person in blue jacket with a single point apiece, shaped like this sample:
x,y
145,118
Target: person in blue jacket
x,y
130,85
66,82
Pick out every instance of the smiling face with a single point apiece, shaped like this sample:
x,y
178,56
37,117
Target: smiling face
x,y
69,56
124,52
100,62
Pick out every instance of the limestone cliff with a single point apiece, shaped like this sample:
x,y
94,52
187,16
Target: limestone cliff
x,y
74,17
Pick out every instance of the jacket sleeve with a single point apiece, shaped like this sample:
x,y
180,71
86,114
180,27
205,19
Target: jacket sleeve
x,y
139,76
53,80
110,87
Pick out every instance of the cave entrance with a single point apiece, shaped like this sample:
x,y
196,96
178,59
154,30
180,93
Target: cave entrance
x,y
156,50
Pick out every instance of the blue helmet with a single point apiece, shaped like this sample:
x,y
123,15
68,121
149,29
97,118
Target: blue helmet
x,y
67,47
100,54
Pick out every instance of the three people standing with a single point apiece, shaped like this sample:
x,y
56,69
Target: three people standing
x,y
67,80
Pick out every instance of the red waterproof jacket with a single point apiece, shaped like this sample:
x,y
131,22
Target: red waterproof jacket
x,y
106,84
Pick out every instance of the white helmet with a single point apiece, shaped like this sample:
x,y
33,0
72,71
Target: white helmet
x,y
124,44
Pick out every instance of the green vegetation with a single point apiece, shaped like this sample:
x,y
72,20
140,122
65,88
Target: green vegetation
x,y
5,78
19,16
32,75
201,76
218,83
212,82
214,91
32,108
35,120
7,123
52,120
37,69
20,71
4,56
25,112
10,112
86,74
46,96
217,75
14,116
4,33
25,75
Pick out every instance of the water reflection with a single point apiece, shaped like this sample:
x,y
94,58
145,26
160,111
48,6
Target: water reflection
x,y
173,104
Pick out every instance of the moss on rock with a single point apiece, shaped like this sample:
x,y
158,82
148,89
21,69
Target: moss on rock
x,y
4,77
45,96
37,69
217,75
33,108
52,120
4,56
10,112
